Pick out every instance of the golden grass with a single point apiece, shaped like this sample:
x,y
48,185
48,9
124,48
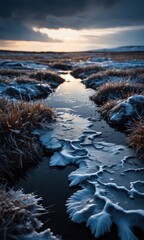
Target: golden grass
x,y
61,65
47,76
26,79
19,148
124,72
105,109
25,114
12,72
81,72
112,91
137,74
74,56
25,76
136,137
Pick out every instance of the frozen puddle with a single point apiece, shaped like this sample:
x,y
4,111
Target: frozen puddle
x,y
110,177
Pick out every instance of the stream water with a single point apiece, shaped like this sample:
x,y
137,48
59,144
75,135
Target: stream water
x,y
71,102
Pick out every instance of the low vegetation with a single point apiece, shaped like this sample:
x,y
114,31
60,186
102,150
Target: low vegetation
x,y
12,72
122,73
19,214
120,90
47,76
61,65
105,108
83,72
19,147
136,137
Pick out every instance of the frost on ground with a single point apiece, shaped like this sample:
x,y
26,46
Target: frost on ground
x,y
20,215
95,73
110,177
27,83
126,110
119,91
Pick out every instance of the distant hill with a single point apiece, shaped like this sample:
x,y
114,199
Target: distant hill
x,y
122,49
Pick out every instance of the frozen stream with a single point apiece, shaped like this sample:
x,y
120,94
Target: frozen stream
x,y
107,181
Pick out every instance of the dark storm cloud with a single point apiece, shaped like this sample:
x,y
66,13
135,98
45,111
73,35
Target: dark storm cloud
x,y
17,17
41,8
11,29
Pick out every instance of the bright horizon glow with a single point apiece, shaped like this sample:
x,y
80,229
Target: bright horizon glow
x,y
68,34
67,39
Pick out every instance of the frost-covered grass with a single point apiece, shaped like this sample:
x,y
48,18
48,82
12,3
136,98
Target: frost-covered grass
x,y
28,85
47,76
83,72
105,108
19,213
44,76
120,90
95,80
124,72
19,147
136,137
61,65
12,72
129,73
4,80
26,79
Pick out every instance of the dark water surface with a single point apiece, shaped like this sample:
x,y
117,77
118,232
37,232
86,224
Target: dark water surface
x,y
52,184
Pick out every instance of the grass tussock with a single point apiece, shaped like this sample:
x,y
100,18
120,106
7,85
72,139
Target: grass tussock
x,y
12,72
82,72
26,79
19,213
61,65
4,80
94,80
47,76
112,91
136,137
124,72
105,109
129,73
75,57
19,147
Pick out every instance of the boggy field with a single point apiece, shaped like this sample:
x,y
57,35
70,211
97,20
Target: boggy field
x,y
79,109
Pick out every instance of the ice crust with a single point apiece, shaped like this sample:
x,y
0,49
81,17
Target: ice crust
x,y
46,235
126,110
110,177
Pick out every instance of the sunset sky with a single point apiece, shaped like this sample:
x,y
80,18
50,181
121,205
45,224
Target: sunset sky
x,y
63,25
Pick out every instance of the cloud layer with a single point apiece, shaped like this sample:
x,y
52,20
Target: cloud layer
x,y
18,17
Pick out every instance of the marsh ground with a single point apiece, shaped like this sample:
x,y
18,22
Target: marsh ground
x,y
31,77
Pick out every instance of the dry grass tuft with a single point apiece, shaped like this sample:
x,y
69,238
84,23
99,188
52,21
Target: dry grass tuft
x,y
105,109
83,72
26,115
106,76
112,91
47,76
136,137
61,65
130,73
19,148
4,80
12,72
19,213
26,79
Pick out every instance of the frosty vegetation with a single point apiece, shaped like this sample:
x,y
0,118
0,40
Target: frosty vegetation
x,y
119,93
28,85
20,215
108,176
